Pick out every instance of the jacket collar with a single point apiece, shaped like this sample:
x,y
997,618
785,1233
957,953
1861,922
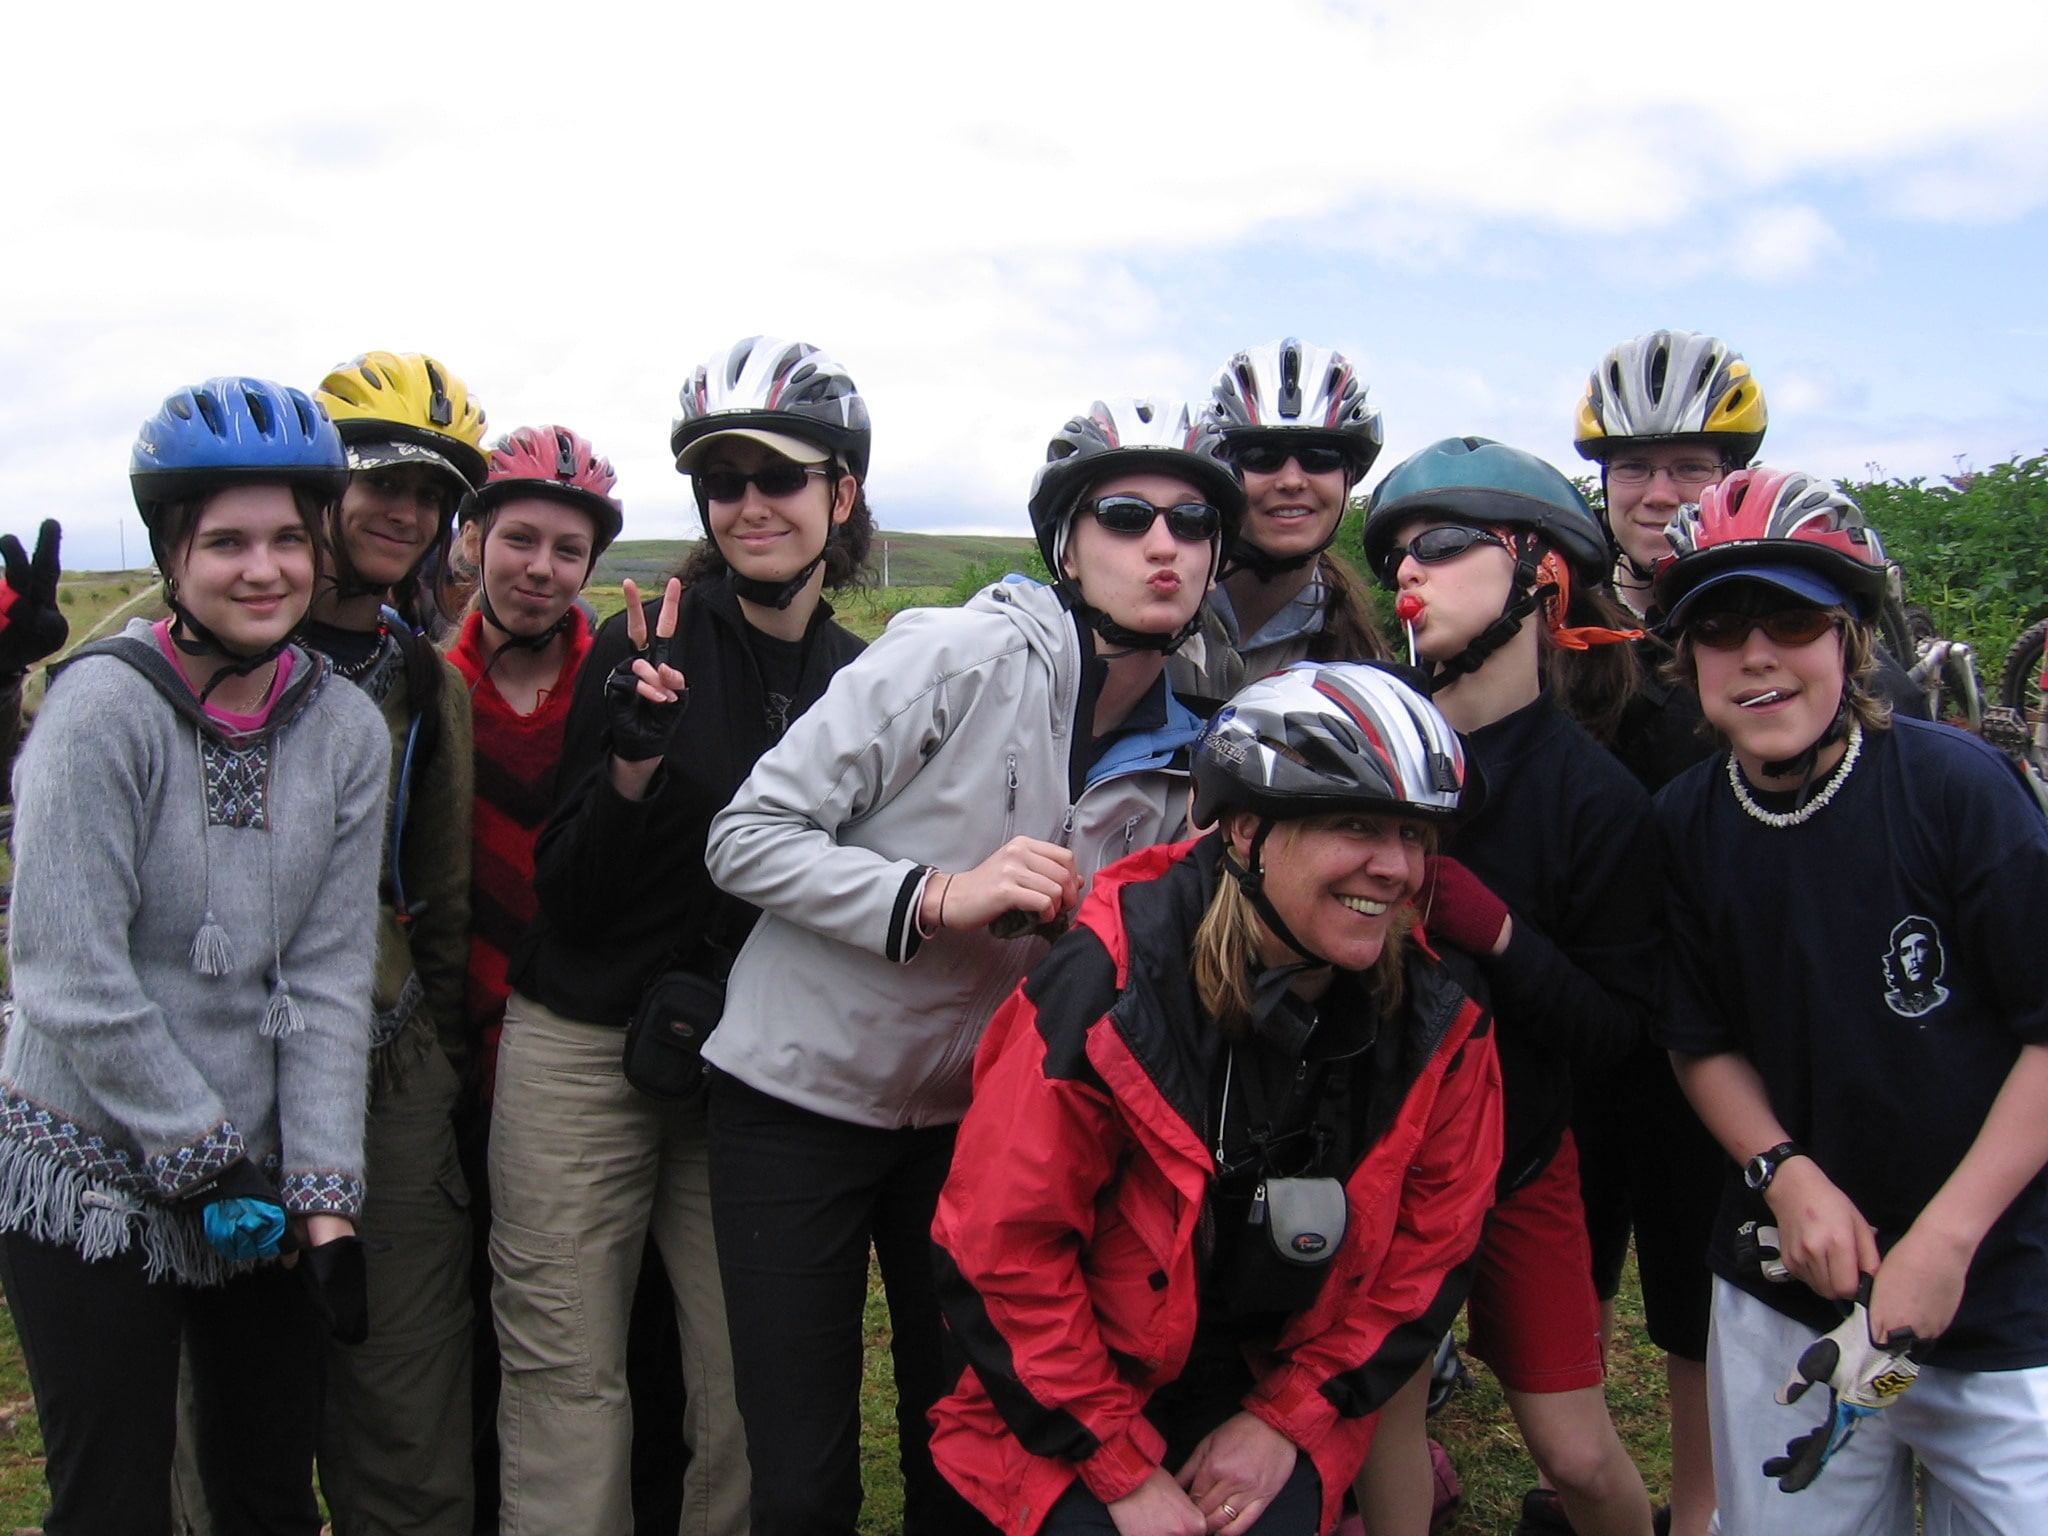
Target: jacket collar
x,y
137,646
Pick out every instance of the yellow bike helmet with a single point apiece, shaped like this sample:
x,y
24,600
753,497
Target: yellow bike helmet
x,y
406,408
1667,385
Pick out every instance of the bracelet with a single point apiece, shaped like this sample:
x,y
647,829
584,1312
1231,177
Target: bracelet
x,y
917,919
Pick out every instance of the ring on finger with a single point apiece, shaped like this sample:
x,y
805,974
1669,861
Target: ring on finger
x,y
1229,1512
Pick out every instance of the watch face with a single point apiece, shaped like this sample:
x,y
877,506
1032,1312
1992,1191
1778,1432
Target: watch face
x,y
1756,1172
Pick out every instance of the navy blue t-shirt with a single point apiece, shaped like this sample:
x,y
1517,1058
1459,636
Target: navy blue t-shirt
x,y
1881,964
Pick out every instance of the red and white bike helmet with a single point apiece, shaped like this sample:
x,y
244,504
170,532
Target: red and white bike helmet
x,y
556,463
1789,530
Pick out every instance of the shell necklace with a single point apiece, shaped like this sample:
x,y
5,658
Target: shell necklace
x,y
1812,808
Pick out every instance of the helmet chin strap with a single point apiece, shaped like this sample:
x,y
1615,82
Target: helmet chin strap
x,y
776,594
195,639
1271,984
1523,600
512,641
1805,762
1263,567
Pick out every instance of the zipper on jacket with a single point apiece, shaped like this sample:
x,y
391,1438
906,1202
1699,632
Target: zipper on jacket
x,y
1010,798
1130,834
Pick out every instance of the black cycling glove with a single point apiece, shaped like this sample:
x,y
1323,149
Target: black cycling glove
x,y
640,728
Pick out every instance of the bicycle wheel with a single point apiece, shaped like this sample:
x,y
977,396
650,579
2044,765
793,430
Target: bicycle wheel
x,y
2019,685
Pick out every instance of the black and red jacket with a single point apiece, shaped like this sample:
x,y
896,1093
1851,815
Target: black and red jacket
x,y
1067,1246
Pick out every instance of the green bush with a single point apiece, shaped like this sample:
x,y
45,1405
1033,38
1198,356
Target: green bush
x,y
1970,546
994,569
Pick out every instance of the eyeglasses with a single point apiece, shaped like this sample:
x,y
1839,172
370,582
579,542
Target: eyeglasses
x,y
1433,546
1269,457
1725,631
1684,472
783,478
1192,522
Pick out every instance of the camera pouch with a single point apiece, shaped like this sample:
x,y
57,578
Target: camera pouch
x,y
1292,1231
664,1052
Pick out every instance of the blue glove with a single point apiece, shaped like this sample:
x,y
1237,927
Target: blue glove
x,y
241,1214
1862,1377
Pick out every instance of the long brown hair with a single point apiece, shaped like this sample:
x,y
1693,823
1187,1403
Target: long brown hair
x,y
1351,630
1593,686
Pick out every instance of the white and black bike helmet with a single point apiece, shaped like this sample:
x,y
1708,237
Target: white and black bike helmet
x,y
786,394
1120,437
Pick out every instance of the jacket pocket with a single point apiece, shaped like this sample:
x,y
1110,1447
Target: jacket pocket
x,y
1129,1266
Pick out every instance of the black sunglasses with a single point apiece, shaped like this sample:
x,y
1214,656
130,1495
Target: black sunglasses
x,y
1269,458
784,478
1192,522
1726,631
1434,546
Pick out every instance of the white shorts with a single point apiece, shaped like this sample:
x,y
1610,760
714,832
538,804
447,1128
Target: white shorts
x,y
1981,1435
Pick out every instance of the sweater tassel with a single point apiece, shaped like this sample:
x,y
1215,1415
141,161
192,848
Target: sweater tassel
x,y
211,953
283,1016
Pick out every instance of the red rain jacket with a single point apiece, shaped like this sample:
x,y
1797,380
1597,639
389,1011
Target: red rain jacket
x,y
1066,1233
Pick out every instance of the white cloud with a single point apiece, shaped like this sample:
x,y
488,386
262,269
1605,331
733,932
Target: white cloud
x,y
992,216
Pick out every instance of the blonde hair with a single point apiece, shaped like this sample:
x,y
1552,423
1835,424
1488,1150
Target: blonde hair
x,y
1227,959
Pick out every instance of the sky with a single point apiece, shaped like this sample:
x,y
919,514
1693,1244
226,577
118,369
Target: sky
x,y
993,215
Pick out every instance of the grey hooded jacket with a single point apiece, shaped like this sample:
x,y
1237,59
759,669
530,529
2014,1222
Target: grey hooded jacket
x,y
947,737
135,1070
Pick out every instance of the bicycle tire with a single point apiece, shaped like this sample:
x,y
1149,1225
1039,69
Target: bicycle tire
x,y
1895,632
2019,685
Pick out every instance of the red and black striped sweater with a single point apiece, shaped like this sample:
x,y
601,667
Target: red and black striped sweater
x,y
516,758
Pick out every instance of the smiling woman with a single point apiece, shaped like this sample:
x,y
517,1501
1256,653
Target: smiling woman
x,y
678,698
195,860
1230,1145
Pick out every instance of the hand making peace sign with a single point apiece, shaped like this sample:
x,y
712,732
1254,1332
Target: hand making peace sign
x,y
645,696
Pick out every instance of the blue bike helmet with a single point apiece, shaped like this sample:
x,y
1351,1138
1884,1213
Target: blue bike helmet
x,y
229,431
234,430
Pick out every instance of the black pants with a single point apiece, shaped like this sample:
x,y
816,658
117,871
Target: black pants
x,y
1185,1418
102,1345
797,1198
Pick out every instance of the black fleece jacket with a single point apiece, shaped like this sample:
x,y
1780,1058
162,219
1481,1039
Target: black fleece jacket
x,y
1565,838
622,888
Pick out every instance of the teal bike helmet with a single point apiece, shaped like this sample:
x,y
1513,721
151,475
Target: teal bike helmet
x,y
1477,481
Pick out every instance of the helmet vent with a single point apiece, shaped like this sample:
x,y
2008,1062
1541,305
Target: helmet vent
x,y
259,410
209,411
565,457
1289,402
440,410
1660,367
180,407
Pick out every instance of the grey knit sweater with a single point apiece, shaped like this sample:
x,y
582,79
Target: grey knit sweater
x,y
193,932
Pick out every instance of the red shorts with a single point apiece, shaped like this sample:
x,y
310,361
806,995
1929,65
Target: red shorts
x,y
1534,1318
